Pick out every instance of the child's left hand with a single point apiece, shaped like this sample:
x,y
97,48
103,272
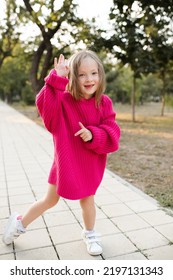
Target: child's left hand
x,y
84,133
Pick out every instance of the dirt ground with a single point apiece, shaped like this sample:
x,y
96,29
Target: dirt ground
x,y
145,157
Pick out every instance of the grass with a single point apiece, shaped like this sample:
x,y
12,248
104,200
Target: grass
x,y
145,157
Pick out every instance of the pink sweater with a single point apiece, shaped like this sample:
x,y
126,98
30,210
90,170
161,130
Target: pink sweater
x,y
78,166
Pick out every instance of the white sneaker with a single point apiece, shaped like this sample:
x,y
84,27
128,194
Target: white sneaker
x,y
13,229
92,240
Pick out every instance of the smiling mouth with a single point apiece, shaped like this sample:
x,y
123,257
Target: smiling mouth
x,y
88,86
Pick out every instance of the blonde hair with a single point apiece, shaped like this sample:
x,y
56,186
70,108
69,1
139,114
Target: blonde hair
x,y
74,63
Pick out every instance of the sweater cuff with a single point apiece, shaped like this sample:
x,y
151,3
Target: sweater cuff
x,y
56,81
96,140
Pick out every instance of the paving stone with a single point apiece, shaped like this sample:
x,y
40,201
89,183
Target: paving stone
x,y
21,199
4,249
65,233
157,217
117,244
160,253
7,257
32,239
166,230
147,238
141,206
59,218
4,212
106,199
132,256
106,227
45,253
130,222
114,210
75,251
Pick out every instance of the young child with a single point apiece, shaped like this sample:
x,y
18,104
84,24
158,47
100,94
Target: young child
x,y
82,122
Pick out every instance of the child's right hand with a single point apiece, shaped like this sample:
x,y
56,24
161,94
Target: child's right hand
x,y
61,66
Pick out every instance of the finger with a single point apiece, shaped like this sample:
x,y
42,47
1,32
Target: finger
x,y
79,132
81,125
61,59
55,62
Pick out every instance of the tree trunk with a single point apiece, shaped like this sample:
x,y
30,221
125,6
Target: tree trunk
x,y
163,93
36,82
133,99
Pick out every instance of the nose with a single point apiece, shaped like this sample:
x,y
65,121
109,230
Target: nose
x,y
88,77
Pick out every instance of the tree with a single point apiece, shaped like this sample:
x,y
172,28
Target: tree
x,y
50,20
137,27
8,38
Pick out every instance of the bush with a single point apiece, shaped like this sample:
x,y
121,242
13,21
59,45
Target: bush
x,y
28,95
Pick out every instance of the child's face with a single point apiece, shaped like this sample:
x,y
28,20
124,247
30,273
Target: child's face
x,y
88,77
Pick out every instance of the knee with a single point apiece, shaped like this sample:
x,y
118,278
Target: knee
x,y
87,203
49,203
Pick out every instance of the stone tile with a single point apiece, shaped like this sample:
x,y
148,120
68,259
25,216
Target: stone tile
x,y
2,184
18,184
166,230
3,192
73,204
4,212
7,257
3,223
161,253
130,222
132,256
105,226
20,208
141,206
106,199
33,239
128,196
114,210
65,233
75,251
45,253
21,199
3,202
4,249
147,238
107,174
19,191
102,191
157,217
59,218
117,244
113,186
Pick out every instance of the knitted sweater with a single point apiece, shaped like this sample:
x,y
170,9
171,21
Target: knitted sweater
x,y
78,166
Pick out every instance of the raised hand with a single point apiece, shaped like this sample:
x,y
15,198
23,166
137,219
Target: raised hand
x,y
84,133
61,66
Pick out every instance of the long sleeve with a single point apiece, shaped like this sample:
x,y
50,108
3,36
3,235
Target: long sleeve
x,y
48,100
105,136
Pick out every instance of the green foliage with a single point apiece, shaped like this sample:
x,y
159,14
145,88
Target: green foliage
x,y
27,94
119,83
14,75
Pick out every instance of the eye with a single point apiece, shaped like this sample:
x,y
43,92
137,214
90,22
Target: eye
x,y
81,75
94,73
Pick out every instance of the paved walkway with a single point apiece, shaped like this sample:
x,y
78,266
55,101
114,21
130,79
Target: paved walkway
x,y
132,224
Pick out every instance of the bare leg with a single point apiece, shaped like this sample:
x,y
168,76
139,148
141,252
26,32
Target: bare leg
x,y
40,206
88,212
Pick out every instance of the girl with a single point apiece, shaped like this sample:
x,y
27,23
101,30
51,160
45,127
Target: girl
x,y
82,122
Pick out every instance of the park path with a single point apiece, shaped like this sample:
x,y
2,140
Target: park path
x,y
133,225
